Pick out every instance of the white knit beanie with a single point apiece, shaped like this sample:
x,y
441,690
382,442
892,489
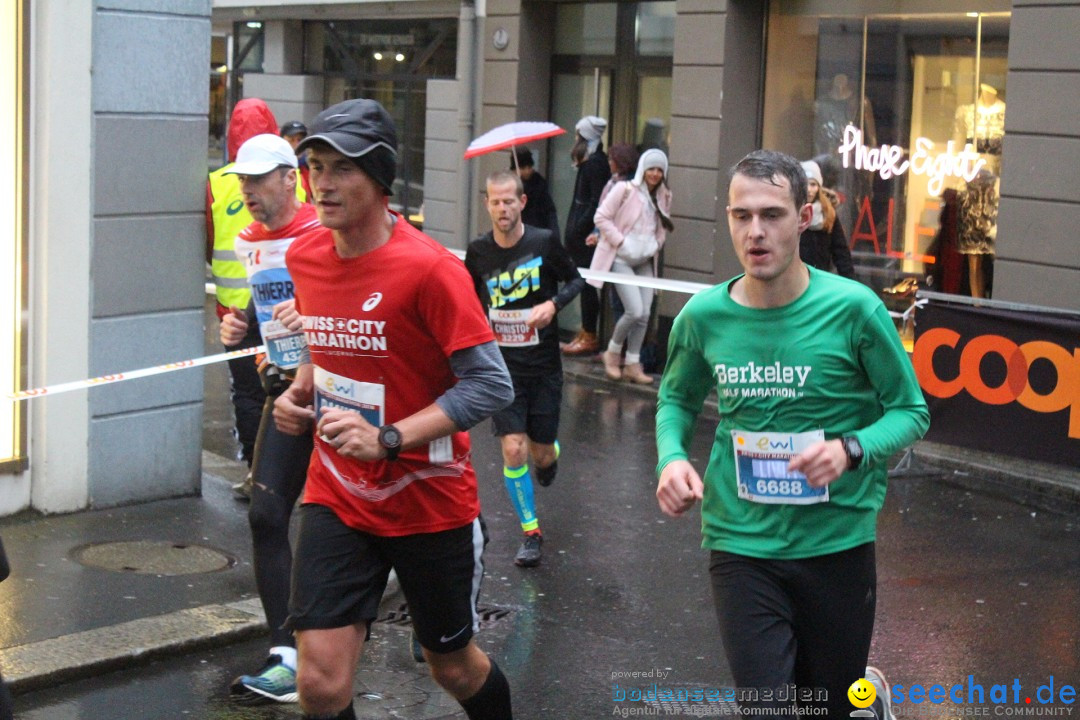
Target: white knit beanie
x,y
591,127
813,171
652,158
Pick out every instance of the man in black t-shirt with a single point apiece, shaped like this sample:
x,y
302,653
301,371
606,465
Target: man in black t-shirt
x,y
516,269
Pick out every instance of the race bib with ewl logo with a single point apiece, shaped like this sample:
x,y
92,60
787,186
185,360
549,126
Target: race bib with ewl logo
x,y
761,460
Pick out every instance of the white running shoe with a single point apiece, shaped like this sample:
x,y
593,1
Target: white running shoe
x,y
877,678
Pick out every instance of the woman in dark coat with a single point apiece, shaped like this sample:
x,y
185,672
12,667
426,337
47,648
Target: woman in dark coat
x,y
592,176
824,244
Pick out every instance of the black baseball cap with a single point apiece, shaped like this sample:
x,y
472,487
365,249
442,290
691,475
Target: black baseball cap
x,y
362,130
293,127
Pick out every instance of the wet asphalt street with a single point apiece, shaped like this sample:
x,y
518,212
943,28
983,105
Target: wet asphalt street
x,y
968,584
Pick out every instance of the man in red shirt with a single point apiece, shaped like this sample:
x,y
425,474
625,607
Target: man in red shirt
x,y
402,362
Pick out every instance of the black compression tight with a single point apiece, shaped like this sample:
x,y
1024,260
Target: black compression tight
x,y
278,476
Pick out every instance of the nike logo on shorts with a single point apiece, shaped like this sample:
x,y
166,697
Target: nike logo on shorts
x,y
445,639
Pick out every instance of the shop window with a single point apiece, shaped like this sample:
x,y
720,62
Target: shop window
x,y
656,28
654,111
904,113
219,80
250,44
389,61
612,60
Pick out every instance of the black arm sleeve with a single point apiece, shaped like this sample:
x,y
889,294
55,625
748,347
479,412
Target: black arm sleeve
x,y
567,273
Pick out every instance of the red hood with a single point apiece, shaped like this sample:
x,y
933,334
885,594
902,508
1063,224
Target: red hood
x,y
250,117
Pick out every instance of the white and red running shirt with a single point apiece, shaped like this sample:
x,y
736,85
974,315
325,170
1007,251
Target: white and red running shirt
x,y
262,253
381,328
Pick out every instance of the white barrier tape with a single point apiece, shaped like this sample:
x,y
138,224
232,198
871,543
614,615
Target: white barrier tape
x,y
920,303
656,283
134,374
682,286
906,315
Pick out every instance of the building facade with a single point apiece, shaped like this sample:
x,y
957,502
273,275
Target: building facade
x,y
903,105
947,129
109,106
917,111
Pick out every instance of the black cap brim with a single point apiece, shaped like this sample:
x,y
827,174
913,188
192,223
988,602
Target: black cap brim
x,y
345,143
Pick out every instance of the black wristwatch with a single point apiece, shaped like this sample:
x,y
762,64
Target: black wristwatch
x,y
853,450
390,439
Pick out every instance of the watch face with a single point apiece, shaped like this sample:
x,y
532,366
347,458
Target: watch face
x,y
854,451
389,436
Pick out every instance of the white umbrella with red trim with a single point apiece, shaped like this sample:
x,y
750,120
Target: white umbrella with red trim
x,y
511,134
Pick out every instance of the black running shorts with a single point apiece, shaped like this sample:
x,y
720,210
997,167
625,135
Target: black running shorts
x,y
535,410
339,575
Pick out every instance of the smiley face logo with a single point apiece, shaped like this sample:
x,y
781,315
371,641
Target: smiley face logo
x,y
861,694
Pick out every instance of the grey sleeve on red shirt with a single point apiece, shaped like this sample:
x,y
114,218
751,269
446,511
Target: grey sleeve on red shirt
x,y
483,386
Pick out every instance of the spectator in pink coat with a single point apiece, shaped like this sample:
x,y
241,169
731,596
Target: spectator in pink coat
x,y
633,221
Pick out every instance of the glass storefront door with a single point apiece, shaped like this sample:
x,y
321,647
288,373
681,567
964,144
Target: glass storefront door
x,y
574,95
613,60
904,113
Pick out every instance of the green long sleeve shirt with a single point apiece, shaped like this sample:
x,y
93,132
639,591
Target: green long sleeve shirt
x,y
830,360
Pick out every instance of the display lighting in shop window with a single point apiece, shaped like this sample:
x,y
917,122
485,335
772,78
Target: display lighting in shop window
x,y
891,160
12,186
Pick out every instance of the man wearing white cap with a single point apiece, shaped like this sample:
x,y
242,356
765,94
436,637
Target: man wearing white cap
x,y
266,167
593,174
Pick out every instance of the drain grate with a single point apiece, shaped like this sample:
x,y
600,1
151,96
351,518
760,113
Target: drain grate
x,y
148,557
399,616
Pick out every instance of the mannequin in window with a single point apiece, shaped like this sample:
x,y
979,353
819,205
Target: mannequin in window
x,y
834,110
982,125
977,226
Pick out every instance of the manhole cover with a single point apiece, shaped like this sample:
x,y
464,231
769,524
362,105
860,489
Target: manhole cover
x,y
151,557
489,615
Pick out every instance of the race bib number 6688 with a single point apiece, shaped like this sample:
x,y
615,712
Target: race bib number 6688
x,y
761,460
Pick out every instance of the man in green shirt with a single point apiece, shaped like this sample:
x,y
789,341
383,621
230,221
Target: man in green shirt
x,y
815,393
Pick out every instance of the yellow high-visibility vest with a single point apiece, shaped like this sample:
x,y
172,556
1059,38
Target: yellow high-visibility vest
x,y
230,217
